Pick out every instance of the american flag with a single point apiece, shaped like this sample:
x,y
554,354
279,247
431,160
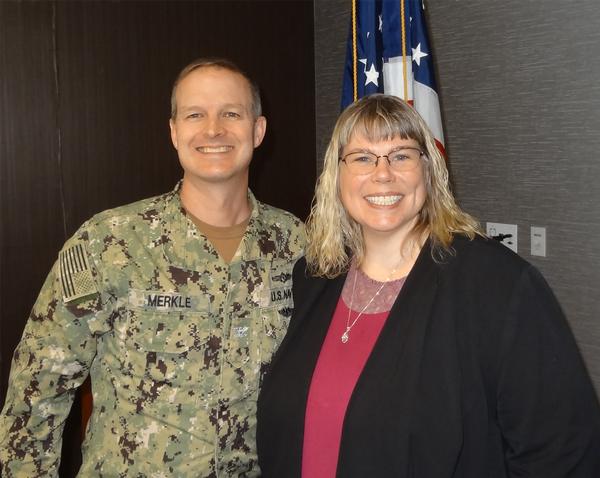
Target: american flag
x,y
387,60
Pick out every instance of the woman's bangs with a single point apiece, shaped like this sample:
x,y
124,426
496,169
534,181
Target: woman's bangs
x,y
378,126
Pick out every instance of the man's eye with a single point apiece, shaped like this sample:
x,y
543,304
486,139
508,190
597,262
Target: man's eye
x,y
193,116
231,114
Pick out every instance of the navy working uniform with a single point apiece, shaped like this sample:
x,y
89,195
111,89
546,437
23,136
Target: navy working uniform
x,y
175,340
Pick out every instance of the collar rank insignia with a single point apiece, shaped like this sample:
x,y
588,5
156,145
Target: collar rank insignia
x,y
75,274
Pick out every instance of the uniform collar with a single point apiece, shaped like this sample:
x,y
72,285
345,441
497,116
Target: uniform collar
x,y
187,248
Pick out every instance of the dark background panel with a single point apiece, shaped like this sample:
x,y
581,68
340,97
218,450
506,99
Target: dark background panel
x,y
31,222
117,62
85,89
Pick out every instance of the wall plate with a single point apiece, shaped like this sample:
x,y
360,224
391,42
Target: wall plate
x,y
504,233
538,241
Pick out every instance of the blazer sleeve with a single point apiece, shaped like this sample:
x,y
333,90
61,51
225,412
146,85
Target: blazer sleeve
x,y
546,405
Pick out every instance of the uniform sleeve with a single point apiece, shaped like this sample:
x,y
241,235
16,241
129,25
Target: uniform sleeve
x,y
547,408
50,363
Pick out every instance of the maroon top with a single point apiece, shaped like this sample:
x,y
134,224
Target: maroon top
x,y
338,368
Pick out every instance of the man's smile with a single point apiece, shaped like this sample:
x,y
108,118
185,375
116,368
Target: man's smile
x,y
214,149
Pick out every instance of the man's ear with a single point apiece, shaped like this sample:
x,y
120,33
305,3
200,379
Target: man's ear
x,y
260,128
173,132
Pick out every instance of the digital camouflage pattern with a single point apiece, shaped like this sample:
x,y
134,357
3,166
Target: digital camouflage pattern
x,y
175,341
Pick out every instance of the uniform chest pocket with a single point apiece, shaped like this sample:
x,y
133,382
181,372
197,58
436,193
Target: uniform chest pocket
x,y
252,342
169,347
273,323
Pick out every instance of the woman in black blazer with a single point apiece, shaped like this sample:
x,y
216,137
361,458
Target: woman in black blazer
x,y
418,348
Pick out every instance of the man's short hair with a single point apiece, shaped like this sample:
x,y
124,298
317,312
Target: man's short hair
x,y
217,63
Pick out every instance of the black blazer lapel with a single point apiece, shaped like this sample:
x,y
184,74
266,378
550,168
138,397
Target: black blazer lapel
x,y
407,401
385,394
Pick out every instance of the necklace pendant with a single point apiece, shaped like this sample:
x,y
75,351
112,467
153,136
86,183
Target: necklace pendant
x,y
345,337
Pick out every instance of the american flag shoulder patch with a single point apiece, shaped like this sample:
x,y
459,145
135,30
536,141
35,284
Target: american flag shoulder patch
x,y
75,274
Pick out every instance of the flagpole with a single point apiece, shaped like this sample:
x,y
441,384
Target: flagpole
x,y
404,69
354,52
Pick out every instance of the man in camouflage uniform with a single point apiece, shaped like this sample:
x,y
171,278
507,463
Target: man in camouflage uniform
x,y
174,332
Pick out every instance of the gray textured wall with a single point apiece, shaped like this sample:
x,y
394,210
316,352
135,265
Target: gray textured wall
x,y
332,19
520,89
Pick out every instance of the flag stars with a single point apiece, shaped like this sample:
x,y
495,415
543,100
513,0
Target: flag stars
x,y
417,54
372,75
380,23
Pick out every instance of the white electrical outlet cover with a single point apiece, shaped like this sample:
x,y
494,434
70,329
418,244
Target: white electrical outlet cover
x,y
538,241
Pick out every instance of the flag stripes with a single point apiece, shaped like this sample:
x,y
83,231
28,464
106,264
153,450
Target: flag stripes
x,y
389,52
73,262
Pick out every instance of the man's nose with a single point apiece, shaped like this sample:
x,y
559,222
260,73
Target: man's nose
x,y
214,127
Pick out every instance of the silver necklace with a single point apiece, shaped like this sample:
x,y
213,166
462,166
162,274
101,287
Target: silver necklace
x,y
346,335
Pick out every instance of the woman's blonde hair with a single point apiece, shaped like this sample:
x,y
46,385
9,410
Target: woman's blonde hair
x,y
334,238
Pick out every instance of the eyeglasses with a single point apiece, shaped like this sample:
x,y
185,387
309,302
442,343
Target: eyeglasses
x,y
400,160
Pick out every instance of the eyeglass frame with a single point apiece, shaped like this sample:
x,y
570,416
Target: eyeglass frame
x,y
377,157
